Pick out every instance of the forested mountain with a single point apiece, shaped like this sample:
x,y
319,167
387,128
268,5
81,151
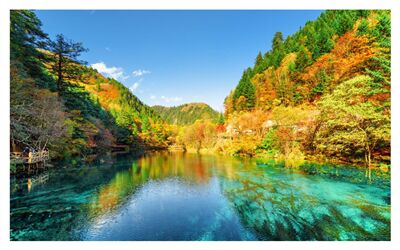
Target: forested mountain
x,y
187,113
336,47
322,93
324,90
59,103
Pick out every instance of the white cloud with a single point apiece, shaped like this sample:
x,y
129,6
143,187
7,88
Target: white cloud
x,y
113,72
171,99
140,72
135,86
153,97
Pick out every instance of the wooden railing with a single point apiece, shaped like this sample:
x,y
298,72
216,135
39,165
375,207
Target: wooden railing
x,y
176,148
21,158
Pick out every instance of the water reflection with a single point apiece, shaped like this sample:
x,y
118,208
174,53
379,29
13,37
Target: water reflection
x,y
176,196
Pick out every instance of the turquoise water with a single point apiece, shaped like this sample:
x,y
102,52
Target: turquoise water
x,y
175,196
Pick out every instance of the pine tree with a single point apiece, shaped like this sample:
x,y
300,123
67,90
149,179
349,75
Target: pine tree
x,y
66,53
259,59
221,119
277,40
26,37
244,96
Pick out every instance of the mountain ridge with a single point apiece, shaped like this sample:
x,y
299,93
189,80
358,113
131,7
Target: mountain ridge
x,y
186,114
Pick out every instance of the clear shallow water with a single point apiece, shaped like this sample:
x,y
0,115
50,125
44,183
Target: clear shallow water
x,y
174,196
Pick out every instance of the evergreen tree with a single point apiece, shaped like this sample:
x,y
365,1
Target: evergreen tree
x,y
26,37
277,40
244,97
259,59
381,66
221,119
65,59
303,59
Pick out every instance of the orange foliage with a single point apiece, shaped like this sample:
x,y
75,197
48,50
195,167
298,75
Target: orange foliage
x,y
265,90
108,93
228,105
348,58
275,83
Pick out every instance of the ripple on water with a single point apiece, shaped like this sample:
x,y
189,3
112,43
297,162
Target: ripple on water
x,y
166,196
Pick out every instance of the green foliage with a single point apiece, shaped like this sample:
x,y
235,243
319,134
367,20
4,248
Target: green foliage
x,y
26,37
186,114
259,59
67,117
64,59
354,122
322,86
221,119
311,41
90,113
314,64
244,95
268,145
380,69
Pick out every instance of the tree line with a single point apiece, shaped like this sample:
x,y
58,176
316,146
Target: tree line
x,y
335,72
59,103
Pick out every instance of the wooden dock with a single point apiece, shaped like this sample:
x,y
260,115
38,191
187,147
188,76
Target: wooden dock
x,y
30,158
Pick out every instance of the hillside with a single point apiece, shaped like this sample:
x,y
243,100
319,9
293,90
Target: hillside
x,y
186,114
76,111
321,92
312,62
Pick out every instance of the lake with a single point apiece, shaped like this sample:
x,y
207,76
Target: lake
x,y
182,196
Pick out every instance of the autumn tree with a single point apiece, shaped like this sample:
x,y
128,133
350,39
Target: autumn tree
x,y
199,135
288,133
65,59
228,105
36,115
354,121
351,53
265,86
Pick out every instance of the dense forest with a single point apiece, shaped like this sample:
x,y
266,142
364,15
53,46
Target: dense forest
x,y
62,105
186,114
320,94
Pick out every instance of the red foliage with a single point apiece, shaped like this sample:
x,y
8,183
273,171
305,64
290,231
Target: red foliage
x,y
220,128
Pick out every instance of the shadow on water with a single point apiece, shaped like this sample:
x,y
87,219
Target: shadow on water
x,y
177,196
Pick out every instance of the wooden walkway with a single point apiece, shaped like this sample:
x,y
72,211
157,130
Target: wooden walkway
x,y
176,148
31,158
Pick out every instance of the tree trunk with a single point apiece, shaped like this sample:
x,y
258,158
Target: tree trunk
x,y
369,165
59,72
368,162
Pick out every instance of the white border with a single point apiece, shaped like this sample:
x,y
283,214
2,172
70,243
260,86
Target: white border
x,y
203,4
6,5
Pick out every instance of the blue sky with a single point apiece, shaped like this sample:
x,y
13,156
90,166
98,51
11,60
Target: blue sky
x,y
174,57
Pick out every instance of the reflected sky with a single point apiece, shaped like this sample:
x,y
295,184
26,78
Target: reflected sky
x,y
177,196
